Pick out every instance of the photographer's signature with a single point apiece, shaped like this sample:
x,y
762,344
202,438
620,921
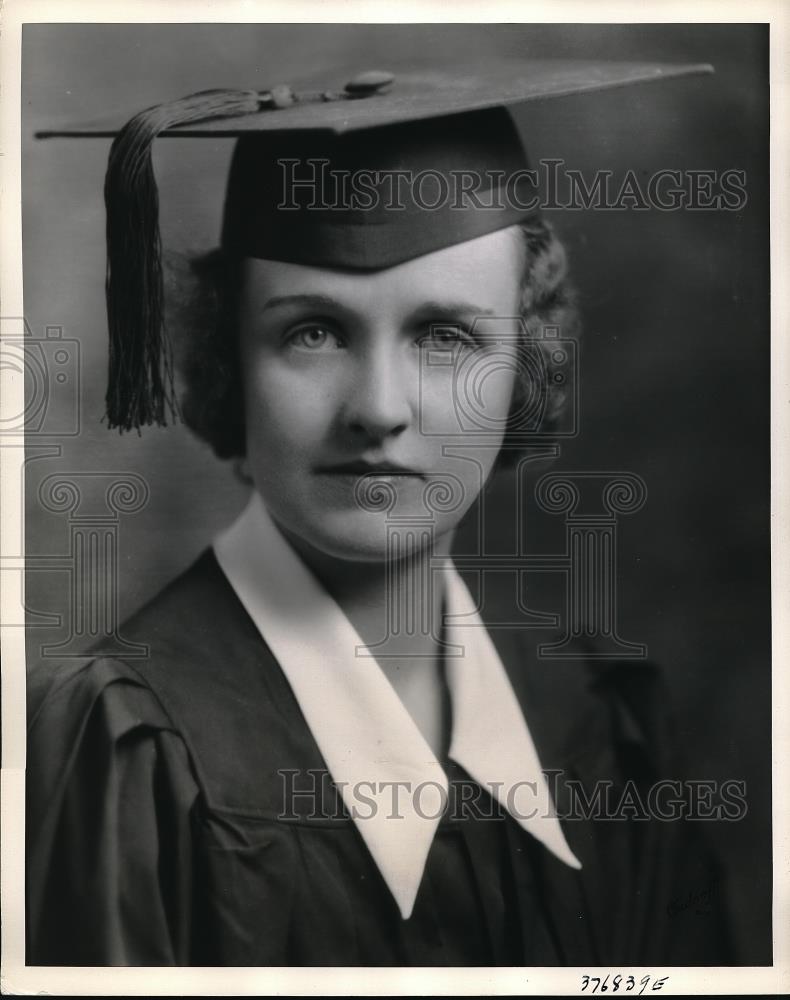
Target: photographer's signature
x,y
698,900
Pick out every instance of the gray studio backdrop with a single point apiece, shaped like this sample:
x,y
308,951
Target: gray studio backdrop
x,y
674,360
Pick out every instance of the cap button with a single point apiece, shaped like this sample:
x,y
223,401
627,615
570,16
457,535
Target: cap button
x,y
372,81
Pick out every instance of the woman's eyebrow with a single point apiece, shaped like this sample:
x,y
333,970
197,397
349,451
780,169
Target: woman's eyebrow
x,y
450,310
305,301
432,309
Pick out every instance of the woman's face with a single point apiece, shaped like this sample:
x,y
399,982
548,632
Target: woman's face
x,y
376,403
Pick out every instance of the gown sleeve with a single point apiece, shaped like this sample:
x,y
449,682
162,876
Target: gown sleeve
x,y
110,799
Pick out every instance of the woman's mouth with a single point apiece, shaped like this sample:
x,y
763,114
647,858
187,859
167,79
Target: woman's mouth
x,y
390,471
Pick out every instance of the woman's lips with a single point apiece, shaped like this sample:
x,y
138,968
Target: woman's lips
x,y
373,488
381,470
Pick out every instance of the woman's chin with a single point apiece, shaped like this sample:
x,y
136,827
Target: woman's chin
x,y
369,537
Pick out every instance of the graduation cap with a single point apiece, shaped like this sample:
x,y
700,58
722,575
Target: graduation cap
x,y
317,178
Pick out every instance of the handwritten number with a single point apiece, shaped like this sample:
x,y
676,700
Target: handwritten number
x,y
604,985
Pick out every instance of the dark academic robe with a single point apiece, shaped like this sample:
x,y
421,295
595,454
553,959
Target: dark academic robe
x,y
156,830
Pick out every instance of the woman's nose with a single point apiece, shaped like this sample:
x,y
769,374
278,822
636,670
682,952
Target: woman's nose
x,y
380,400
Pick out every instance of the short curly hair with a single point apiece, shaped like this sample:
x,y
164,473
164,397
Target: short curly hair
x,y
203,295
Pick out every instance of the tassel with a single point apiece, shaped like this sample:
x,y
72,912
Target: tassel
x,y
141,387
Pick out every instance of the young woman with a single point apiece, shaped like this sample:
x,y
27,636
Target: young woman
x,y
326,758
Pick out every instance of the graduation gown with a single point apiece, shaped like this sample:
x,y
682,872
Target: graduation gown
x,y
156,833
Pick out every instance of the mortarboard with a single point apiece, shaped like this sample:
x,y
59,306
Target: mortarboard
x,y
317,178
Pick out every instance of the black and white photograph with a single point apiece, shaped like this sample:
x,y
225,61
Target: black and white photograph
x,y
392,588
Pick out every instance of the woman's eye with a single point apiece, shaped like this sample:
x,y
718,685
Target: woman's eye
x,y
313,338
447,336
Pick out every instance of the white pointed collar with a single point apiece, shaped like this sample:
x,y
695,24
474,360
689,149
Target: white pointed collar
x,y
365,734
